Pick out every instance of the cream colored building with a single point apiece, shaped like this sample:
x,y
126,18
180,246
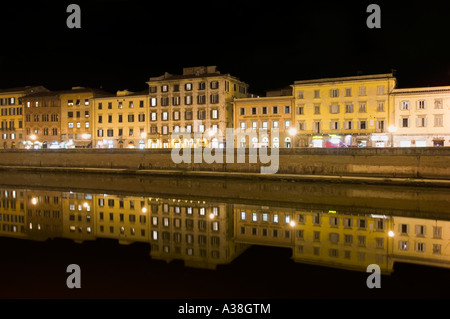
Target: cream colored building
x,y
421,241
421,117
197,103
354,111
264,121
13,213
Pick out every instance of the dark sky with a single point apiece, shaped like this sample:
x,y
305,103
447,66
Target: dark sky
x,y
267,44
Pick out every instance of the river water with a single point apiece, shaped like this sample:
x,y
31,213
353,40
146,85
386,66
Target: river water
x,y
159,237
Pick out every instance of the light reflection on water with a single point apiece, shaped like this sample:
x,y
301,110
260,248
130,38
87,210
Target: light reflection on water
x,y
206,223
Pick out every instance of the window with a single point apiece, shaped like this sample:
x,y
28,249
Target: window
x,y
316,94
300,94
404,228
334,108
109,105
334,238
214,98
153,101
334,92
165,116
164,101
439,120
380,89
153,116
188,86
404,105
316,109
421,121
287,109
242,111
379,242
188,100
264,110
349,108
420,247
405,122
287,124
348,125
348,92
301,126
438,104
403,245
362,108
202,85
275,110
254,110
300,110
214,114
164,88
176,115
201,99
421,105
70,125
380,107
420,230
362,90
214,85
130,118
175,100
334,125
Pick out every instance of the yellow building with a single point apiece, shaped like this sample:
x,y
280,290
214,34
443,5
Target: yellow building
x,y
329,239
12,213
77,116
264,121
12,115
44,217
354,111
124,218
197,102
121,120
78,216
421,117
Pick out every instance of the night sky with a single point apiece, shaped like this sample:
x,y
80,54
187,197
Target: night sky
x,y
266,44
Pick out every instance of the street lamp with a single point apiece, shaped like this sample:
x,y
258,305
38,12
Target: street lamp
x,y
392,129
292,133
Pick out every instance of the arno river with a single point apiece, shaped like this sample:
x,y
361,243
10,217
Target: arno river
x,y
158,237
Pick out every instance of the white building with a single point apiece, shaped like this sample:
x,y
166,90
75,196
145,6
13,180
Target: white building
x,y
421,117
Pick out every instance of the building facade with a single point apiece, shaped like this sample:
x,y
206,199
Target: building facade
x,y
77,116
42,112
12,115
421,117
264,121
346,111
197,104
121,120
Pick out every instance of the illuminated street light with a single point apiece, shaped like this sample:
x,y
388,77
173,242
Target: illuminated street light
x,y
211,133
211,216
391,233
143,135
144,209
292,131
34,201
33,137
292,223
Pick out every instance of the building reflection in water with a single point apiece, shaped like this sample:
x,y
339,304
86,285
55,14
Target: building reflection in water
x,y
204,233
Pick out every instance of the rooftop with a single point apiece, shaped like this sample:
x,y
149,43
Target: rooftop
x,y
348,78
192,73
